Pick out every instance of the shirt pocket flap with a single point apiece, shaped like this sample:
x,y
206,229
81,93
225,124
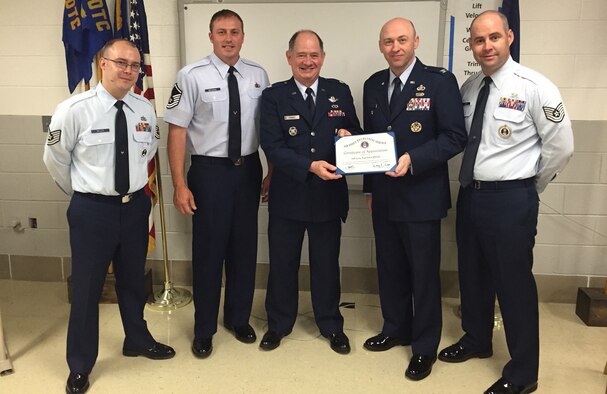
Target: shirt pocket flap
x,y
99,138
509,115
255,93
214,96
142,136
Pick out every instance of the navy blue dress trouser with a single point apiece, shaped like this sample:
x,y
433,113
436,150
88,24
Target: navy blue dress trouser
x,y
496,231
102,230
285,242
224,230
408,263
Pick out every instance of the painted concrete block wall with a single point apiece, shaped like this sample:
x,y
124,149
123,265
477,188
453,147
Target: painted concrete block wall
x,y
562,39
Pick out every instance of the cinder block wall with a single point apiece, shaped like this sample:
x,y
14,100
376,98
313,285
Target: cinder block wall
x,y
571,247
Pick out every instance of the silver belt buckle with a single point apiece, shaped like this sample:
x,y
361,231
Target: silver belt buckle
x,y
477,184
238,161
126,198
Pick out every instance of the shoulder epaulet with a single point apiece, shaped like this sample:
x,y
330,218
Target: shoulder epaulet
x,y
277,84
140,97
205,61
438,70
335,81
530,75
378,74
80,97
251,63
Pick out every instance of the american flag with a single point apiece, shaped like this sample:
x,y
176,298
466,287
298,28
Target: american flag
x,y
138,34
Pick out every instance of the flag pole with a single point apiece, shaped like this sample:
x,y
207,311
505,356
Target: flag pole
x,y
170,298
136,30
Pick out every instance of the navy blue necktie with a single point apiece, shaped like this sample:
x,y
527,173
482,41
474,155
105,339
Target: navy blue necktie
x,y
310,102
234,128
121,167
466,172
395,94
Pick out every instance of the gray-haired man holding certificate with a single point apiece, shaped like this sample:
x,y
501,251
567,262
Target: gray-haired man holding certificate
x,y
423,107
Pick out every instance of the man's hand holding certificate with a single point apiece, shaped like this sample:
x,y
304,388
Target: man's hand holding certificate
x,y
365,153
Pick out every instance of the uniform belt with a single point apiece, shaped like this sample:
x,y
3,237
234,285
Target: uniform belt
x,y
224,160
496,185
112,199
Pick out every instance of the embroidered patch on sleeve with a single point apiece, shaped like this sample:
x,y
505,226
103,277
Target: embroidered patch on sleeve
x,y
157,132
175,97
54,136
555,115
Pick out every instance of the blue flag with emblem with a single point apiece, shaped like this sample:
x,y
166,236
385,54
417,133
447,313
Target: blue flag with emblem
x,y
86,28
510,8
121,21
73,41
97,29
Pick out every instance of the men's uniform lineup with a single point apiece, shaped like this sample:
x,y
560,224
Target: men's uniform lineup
x,y
510,120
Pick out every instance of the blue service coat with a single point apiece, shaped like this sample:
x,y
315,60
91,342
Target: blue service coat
x,y
429,125
292,141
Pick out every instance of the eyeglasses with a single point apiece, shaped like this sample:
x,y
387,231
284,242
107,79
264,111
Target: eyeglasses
x,y
122,65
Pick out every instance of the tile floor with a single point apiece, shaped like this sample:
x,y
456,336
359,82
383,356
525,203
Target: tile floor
x,y
35,315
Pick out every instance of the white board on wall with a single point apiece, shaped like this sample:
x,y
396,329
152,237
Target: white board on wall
x,y
349,30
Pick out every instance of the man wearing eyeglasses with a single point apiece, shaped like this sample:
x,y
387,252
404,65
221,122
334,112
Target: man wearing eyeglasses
x,y
97,151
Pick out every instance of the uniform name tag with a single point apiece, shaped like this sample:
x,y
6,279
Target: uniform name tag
x,y
291,117
212,89
100,131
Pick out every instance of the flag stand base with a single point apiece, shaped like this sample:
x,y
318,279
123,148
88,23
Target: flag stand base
x,y
170,298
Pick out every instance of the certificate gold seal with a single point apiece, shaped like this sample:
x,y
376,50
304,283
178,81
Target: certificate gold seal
x,y
292,131
416,127
505,131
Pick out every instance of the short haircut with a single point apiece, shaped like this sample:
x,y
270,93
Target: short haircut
x,y
113,41
502,17
294,37
225,14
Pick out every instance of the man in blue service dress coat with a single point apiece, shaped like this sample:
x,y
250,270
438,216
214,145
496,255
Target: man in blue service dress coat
x,y
299,120
409,203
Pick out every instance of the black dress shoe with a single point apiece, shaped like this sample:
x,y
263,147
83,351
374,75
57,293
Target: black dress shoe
x,y
502,386
270,341
244,334
458,353
202,347
419,366
157,351
339,342
382,342
77,383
